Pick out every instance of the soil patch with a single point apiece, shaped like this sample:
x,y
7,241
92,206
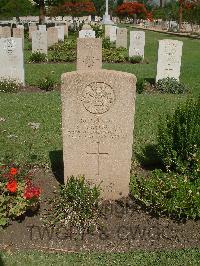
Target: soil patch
x,y
123,226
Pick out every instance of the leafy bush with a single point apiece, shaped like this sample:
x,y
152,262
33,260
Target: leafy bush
x,y
170,85
179,139
98,31
114,55
106,43
141,85
135,59
9,85
168,193
47,83
75,205
38,57
63,52
17,193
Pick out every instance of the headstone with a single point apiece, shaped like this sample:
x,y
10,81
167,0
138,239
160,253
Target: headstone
x,y
66,29
11,58
61,32
39,41
6,32
107,31
89,54
121,40
52,36
18,33
86,34
169,59
1,31
98,119
113,33
31,30
137,43
42,27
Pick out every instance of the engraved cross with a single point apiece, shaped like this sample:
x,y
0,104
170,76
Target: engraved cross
x,y
98,153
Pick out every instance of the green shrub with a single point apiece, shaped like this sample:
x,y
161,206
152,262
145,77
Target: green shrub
x,y
168,193
179,139
136,59
38,57
114,55
63,52
9,85
76,205
47,83
141,85
17,193
107,44
98,31
170,85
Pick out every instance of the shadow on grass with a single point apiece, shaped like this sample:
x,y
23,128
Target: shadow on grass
x,y
149,158
57,166
1,261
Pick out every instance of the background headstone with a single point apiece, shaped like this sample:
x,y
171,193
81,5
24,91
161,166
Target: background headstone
x,y
18,33
89,54
113,33
169,59
39,41
121,40
12,60
31,30
97,123
42,27
6,32
86,34
137,43
52,36
107,31
61,32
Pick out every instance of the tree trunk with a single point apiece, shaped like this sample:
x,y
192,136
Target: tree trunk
x,y
180,16
161,3
42,12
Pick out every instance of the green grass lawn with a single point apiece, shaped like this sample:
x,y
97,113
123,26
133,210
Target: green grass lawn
x,y
20,109
176,258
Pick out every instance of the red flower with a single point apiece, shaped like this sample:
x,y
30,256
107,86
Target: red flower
x,y
12,186
13,171
32,192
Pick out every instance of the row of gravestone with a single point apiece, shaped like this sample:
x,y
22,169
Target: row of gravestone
x,y
89,56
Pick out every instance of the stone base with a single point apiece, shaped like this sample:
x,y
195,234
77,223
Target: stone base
x,y
107,20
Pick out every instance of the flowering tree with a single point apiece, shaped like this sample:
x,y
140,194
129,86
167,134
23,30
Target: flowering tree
x,y
79,8
187,5
131,9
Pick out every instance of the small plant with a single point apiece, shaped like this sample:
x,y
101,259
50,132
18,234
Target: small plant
x,y
38,57
168,193
114,55
170,85
47,83
17,193
136,59
179,139
142,85
106,43
9,85
76,205
98,31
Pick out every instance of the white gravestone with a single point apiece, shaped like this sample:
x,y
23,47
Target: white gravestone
x,y
86,34
122,37
52,36
42,27
39,41
107,31
113,33
12,59
169,59
61,32
31,30
137,43
6,32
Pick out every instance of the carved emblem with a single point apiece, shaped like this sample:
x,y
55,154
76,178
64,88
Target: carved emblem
x,y
98,97
9,45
